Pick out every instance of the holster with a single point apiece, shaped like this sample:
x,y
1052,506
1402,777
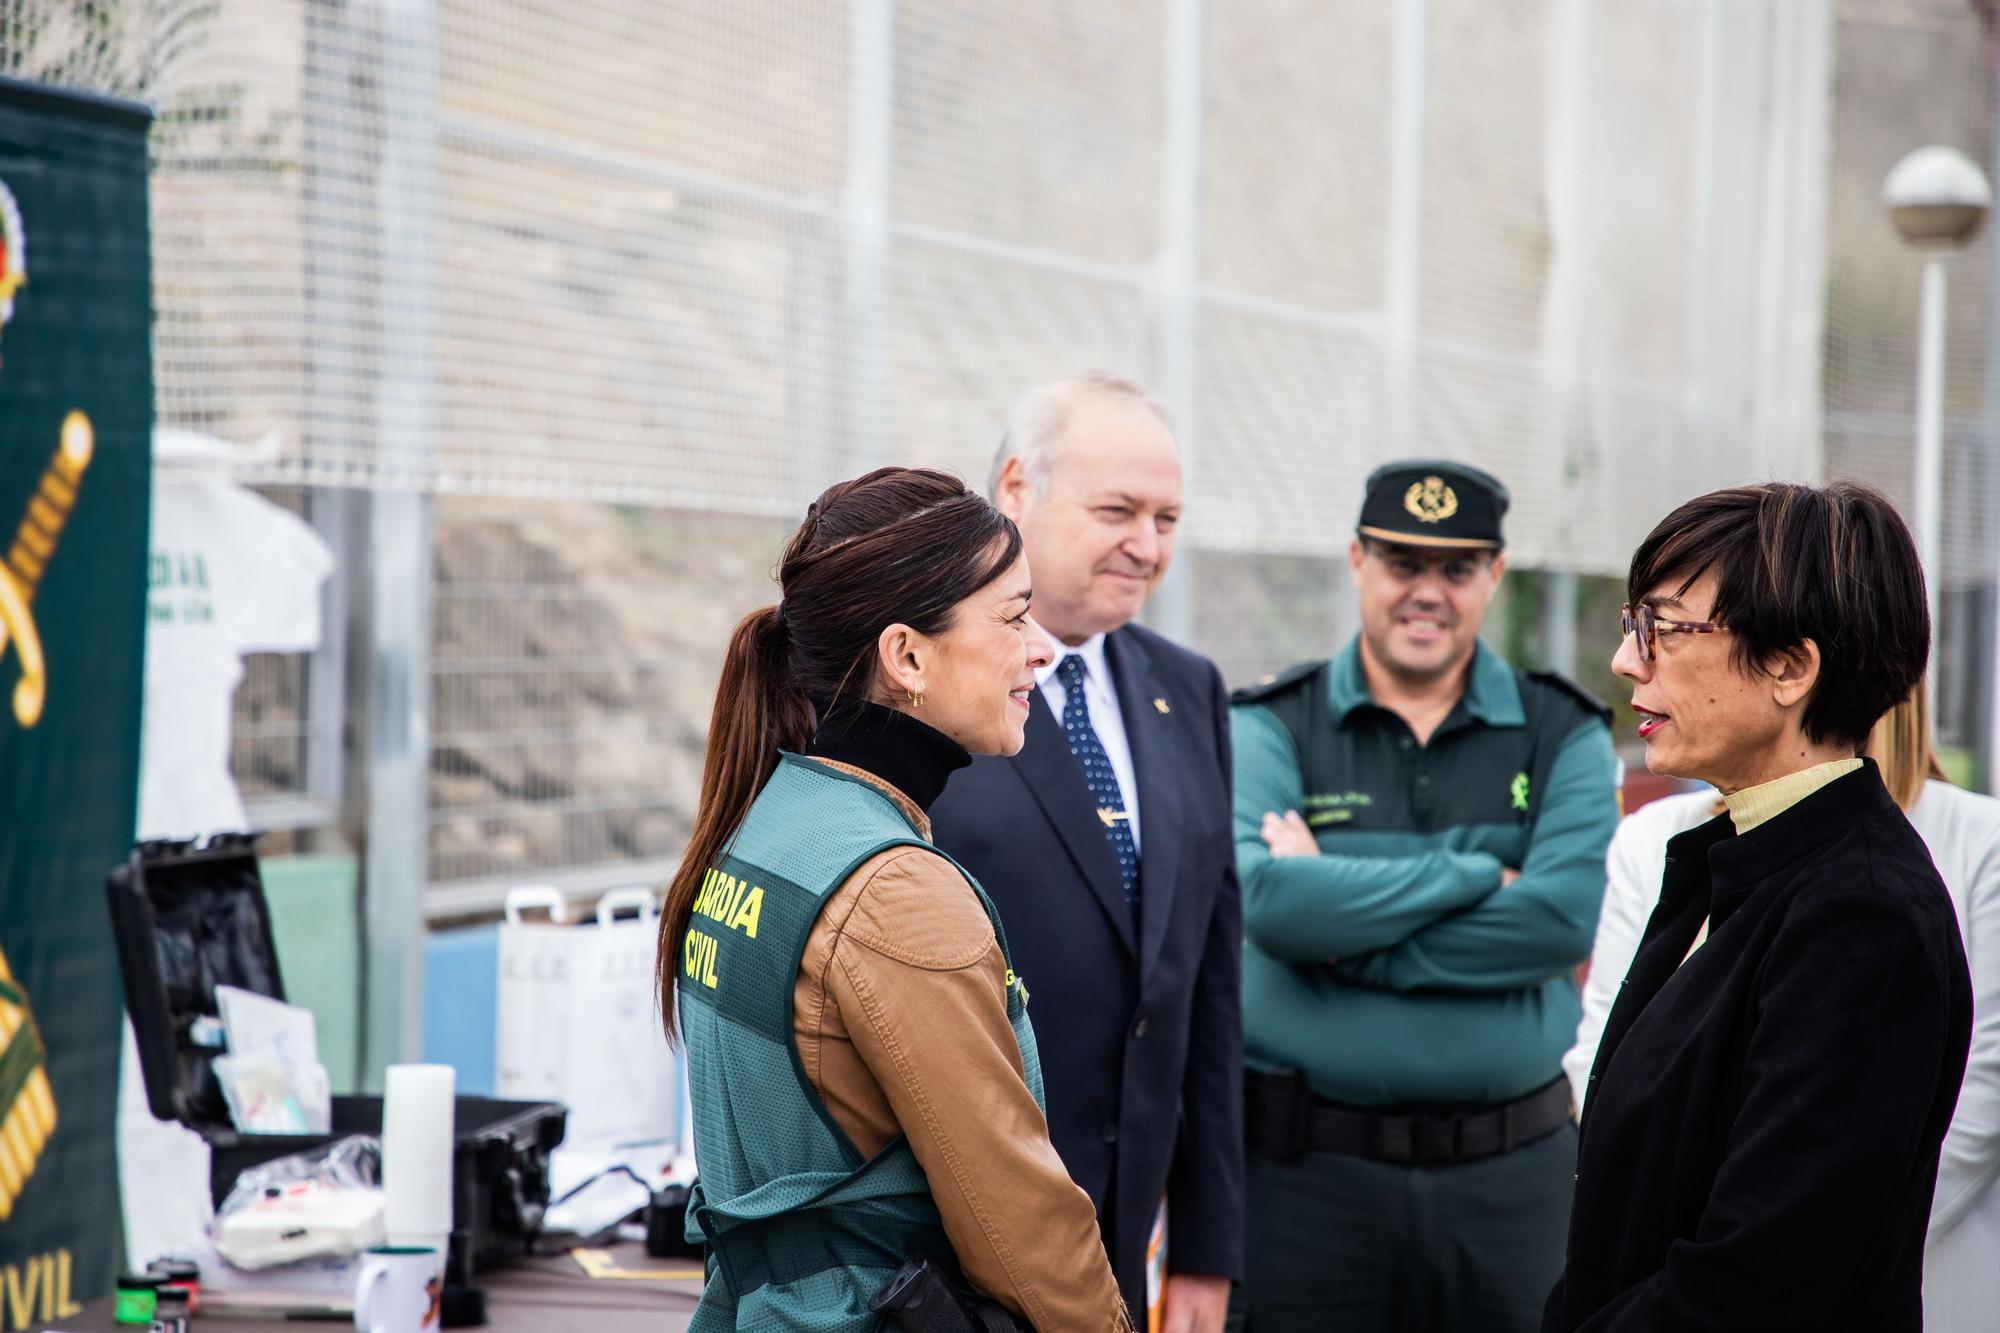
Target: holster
x,y
1279,1112
920,1299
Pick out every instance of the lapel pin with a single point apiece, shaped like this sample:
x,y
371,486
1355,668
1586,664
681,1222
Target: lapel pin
x,y
1161,704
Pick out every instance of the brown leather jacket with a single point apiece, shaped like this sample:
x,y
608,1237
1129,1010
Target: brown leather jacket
x,y
900,1016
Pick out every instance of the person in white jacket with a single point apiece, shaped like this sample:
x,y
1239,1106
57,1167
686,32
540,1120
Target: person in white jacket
x,y
1962,830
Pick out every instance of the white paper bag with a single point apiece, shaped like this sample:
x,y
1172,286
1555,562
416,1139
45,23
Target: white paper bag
x,y
578,1021
531,1015
621,1086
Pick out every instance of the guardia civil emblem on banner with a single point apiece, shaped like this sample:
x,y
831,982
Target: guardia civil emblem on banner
x,y
76,422
13,253
27,1107
45,509
34,545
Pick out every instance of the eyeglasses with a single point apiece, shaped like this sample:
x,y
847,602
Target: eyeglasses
x,y
1406,566
1645,628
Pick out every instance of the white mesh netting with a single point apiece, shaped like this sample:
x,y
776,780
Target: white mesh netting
x,y
703,259
708,256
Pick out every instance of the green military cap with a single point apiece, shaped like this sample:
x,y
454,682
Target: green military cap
x,y
1429,502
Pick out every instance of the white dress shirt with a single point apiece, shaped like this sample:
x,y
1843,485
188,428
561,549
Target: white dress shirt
x,y
1100,700
1962,831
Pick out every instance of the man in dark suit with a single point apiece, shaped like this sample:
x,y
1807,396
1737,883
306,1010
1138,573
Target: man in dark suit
x,y
1107,845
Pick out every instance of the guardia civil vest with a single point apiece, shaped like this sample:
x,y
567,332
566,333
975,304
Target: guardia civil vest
x,y
801,1229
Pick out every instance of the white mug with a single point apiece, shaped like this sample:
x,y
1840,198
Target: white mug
x,y
398,1290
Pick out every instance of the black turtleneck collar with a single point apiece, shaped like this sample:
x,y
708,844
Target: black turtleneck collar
x,y
913,758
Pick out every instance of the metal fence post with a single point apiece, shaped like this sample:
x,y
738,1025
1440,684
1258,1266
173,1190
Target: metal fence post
x,y
1177,293
1987,674
1406,221
1559,622
1561,371
398,524
871,129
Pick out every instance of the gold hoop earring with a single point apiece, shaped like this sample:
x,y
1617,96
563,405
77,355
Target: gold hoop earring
x,y
916,698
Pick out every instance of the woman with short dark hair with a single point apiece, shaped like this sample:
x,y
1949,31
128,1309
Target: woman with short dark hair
x,y
1761,1139
863,1075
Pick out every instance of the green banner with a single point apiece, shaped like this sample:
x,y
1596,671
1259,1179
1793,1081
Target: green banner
x,y
76,415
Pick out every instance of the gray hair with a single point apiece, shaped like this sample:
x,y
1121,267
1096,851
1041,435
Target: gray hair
x,y
1038,415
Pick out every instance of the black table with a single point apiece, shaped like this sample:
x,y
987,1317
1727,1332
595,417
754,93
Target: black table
x,y
545,1294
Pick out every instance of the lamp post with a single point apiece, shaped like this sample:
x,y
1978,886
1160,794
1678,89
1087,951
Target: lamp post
x,y
1938,198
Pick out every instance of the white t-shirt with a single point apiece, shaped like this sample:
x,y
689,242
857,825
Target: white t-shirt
x,y
1962,831
230,573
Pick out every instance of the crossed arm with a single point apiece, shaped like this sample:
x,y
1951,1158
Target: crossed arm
x,y
1308,909
1436,919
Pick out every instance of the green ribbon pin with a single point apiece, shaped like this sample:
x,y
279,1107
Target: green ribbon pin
x,y
1519,789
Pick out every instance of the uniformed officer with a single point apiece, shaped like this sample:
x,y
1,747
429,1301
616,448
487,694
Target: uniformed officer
x,y
1420,832
864,1078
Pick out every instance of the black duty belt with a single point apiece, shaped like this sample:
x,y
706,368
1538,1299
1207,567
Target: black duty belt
x,y
1283,1119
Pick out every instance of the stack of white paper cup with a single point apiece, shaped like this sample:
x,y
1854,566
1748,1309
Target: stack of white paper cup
x,y
416,1155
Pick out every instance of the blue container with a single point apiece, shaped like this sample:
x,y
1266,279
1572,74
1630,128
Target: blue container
x,y
461,984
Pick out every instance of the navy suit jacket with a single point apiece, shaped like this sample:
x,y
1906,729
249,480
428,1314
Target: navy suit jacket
x,y
1141,1032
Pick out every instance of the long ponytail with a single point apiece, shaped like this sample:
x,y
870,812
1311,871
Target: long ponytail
x,y
897,546
758,711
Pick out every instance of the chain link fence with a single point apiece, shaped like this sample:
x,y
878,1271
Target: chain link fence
x,y
623,284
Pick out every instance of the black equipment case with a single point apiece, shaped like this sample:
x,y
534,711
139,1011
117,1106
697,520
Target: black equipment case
x,y
188,918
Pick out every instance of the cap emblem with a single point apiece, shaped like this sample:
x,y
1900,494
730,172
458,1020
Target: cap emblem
x,y
1431,501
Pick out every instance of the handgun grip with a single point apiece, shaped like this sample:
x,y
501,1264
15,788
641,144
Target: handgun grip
x,y
917,1299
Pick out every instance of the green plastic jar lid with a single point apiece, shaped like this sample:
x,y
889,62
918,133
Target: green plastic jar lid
x,y
137,1298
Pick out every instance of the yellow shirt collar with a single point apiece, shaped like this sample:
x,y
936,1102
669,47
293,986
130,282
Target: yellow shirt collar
x,y
1756,805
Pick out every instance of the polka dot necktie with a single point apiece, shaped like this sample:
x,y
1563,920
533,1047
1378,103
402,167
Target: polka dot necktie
x,y
1099,776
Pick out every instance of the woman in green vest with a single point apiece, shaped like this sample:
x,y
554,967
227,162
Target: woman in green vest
x,y
864,1078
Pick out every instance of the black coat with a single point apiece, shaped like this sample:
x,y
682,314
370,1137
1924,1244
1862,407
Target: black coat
x,y
1141,1037
1760,1140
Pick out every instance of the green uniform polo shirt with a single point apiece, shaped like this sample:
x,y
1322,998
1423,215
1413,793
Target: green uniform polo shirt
x,y
1392,969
